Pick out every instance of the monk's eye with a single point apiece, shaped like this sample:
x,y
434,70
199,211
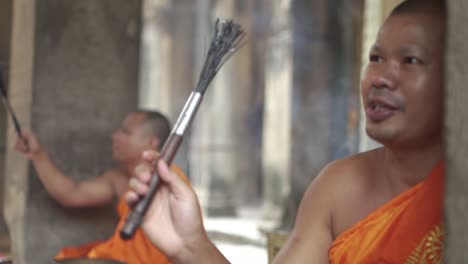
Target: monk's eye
x,y
412,60
375,58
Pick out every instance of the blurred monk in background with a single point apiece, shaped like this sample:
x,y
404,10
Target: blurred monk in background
x,y
139,131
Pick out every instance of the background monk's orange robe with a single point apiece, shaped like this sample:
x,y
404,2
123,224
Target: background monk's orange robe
x,y
138,250
408,229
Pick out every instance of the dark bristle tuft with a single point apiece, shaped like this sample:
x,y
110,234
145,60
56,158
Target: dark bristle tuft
x,y
226,41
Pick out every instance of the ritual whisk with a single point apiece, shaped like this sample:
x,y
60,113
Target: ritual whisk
x,y
226,40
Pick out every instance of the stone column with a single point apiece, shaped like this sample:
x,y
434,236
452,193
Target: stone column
x,y
221,162
155,55
166,78
276,146
311,105
456,125
322,102
237,80
73,77
5,32
20,93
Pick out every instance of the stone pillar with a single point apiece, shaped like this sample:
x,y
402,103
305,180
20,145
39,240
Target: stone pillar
x,y
456,125
311,98
236,82
73,77
166,78
5,30
221,162
276,147
323,93
155,55
20,93
252,177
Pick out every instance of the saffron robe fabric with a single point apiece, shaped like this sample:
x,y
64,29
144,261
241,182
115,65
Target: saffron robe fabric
x,y
138,250
407,229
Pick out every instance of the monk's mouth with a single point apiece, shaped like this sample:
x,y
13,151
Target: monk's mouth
x,y
378,112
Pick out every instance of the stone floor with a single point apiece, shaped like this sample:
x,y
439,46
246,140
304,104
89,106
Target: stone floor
x,y
239,239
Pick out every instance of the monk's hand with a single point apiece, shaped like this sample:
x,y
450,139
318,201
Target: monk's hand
x,y
173,221
28,145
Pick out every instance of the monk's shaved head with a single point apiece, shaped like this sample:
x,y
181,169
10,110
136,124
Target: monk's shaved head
x,y
434,7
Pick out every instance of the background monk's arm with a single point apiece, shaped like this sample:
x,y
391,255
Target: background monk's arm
x,y
311,237
68,192
64,189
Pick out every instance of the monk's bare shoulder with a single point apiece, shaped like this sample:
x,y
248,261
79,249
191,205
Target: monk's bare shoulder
x,y
355,193
352,172
344,175
341,188
315,227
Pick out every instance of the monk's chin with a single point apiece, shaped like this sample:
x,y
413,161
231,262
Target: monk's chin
x,y
381,136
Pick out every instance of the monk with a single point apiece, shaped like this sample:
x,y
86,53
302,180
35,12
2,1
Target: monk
x,y
139,131
380,206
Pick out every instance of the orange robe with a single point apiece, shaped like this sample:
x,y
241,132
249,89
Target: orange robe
x,y
408,229
138,250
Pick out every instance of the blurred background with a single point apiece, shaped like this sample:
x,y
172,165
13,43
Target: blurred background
x,y
282,107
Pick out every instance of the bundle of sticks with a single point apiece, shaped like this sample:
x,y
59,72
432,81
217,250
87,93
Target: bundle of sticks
x,y
226,40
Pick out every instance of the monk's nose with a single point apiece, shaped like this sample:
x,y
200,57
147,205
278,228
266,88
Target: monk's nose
x,y
387,76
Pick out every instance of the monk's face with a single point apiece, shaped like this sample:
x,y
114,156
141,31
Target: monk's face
x,y
130,139
402,86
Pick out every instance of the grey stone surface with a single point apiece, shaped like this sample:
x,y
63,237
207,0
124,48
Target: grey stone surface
x,y
324,86
324,90
276,133
5,30
20,94
83,82
456,199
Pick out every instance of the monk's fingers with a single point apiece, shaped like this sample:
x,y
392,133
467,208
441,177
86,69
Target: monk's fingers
x,y
131,197
143,172
26,142
140,188
22,146
150,156
19,145
27,137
